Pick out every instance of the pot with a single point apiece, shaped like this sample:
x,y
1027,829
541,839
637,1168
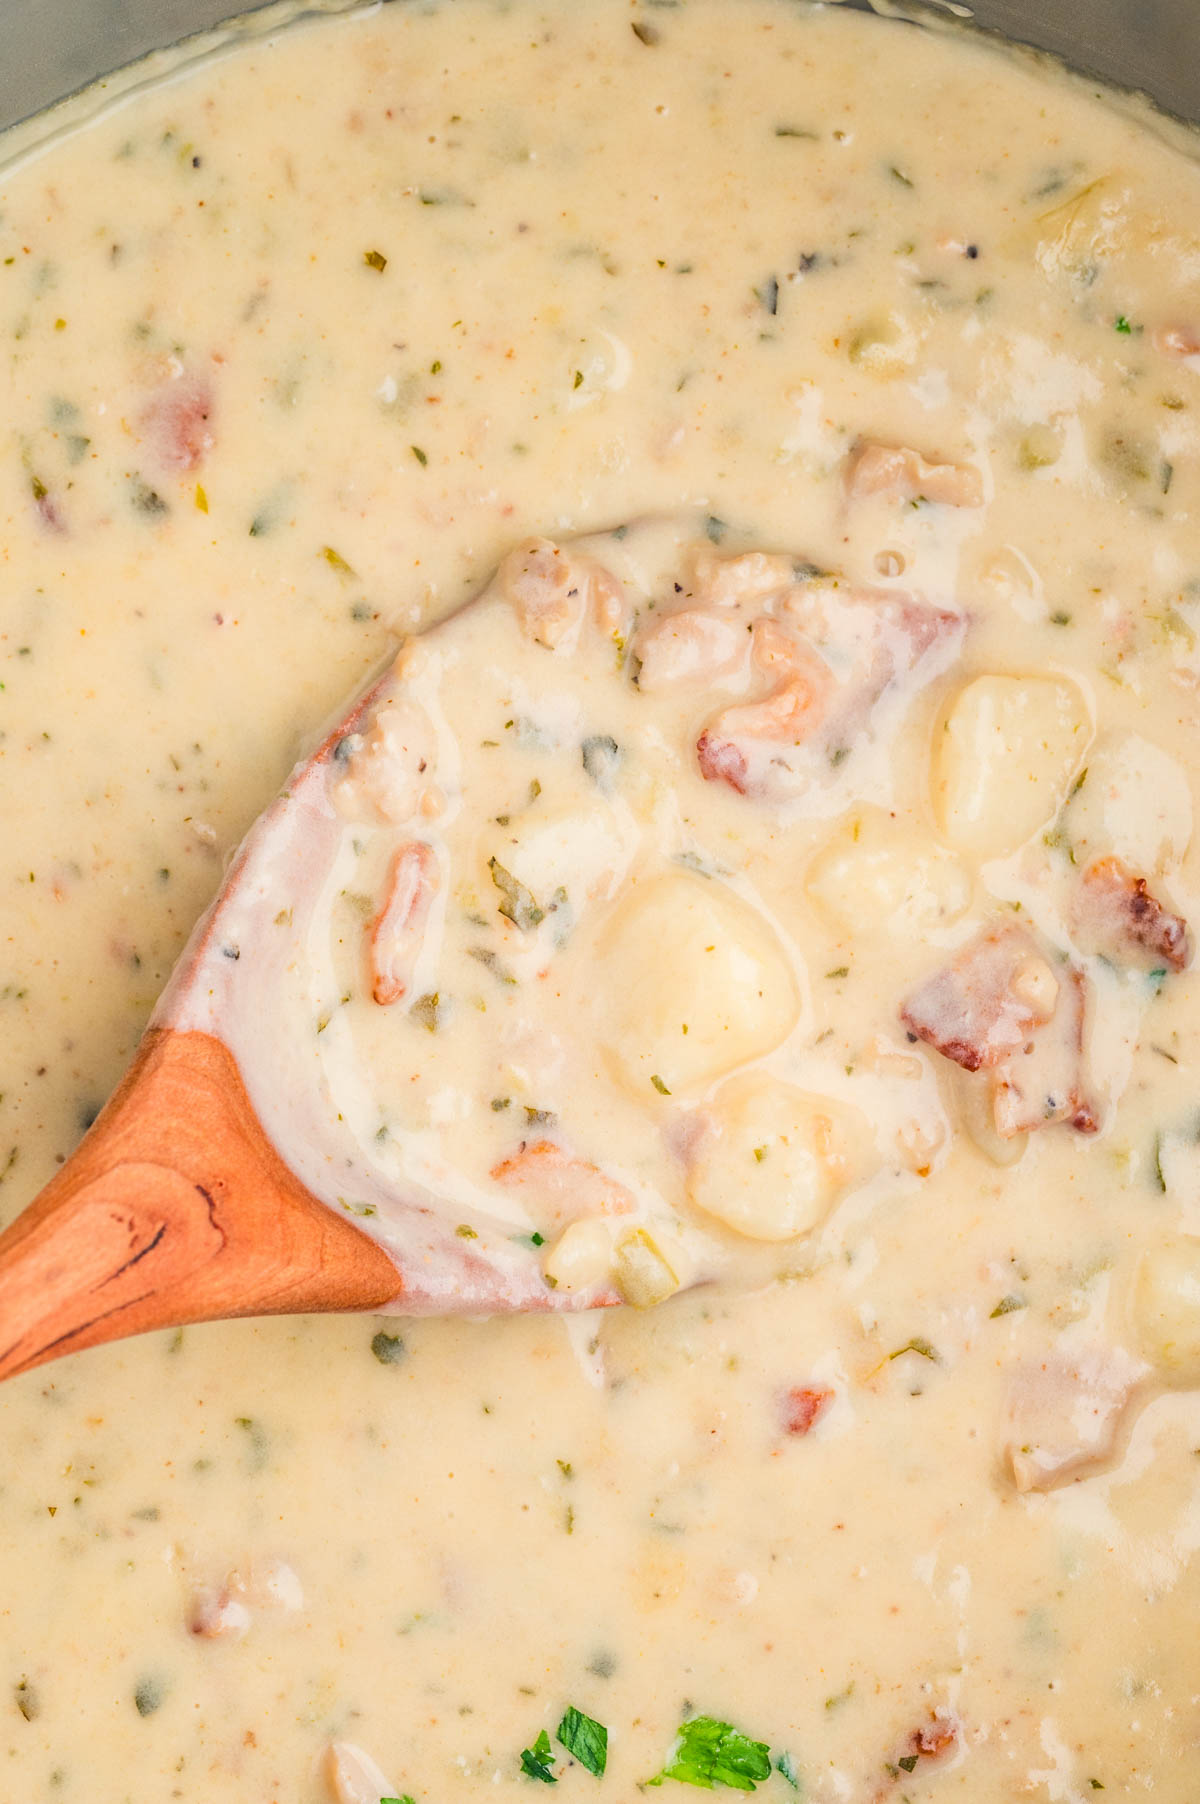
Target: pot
x,y
52,50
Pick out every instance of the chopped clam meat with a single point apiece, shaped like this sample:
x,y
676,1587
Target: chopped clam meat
x,y
397,935
902,474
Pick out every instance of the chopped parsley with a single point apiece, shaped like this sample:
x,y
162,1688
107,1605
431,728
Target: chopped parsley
x,y
786,1766
537,1760
1122,325
708,1753
389,1350
584,1738
658,1084
518,905
375,260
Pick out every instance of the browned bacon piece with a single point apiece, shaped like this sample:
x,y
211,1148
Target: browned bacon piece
x,y
398,930
803,1406
1115,915
178,422
978,1010
1003,1008
560,1185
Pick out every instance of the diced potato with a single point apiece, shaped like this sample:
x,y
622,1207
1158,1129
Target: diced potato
x,y
876,874
690,981
976,1107
580,850
644,1274
774,1159
581,1256
1005,759
1135,803
1166,1309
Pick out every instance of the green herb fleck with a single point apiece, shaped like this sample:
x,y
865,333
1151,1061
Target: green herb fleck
x,y
918,1344
148,1696
908,1762
1006,1305
428,1011
499,1103
839,971
585,1738
646,34
388,1349
336,561
518,905
375,260
659,1085
716,528
537,1760
1060,618
1160,1180
465,1231
420,456
786,1766
1122,325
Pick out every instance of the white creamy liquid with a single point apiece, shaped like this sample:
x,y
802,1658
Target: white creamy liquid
x,y
300,347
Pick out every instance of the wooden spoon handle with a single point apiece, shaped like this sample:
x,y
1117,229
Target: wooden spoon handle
x,y
176,1208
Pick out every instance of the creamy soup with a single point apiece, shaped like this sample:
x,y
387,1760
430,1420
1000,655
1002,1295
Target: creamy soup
x,y
814,401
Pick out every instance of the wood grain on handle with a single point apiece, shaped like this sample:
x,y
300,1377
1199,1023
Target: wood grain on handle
x,y
176,1208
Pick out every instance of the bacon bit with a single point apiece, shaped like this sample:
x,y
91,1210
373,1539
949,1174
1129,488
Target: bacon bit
x,y
803,1406
1178,341
178,423
565,1186
938,1735
993,1010
721,762
903,475
694,645
1114,914
970,1011
398,930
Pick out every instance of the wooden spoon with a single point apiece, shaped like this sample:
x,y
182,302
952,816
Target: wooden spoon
x,y
177,1206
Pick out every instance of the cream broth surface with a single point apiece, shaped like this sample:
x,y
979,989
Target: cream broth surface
x,y
301,347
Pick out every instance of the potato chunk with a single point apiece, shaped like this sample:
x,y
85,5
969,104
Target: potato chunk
x,y
1166,1309
692,981
1005,759
876,874
773,1159
1134,804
